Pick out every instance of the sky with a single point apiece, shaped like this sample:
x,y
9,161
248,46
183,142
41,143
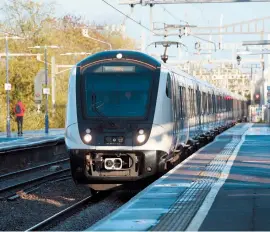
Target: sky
x,y
196,14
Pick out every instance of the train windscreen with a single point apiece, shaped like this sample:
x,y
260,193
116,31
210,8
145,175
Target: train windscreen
x,y
121,93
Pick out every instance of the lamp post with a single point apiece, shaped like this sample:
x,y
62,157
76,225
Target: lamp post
x,y
46,90
7,91
75,54
85,34
7,84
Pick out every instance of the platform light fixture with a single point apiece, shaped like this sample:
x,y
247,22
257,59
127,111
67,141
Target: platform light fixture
x,y
6,37
46,90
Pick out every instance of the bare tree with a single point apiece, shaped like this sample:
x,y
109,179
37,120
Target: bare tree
x,y
26,17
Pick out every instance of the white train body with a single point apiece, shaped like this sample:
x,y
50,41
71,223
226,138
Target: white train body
x,y
128,116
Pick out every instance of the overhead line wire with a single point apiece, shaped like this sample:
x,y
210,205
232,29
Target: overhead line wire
x,y
127,16
148,29
172,15
206,40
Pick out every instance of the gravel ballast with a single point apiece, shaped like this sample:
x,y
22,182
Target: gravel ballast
x,y
51,198
30,209
94,212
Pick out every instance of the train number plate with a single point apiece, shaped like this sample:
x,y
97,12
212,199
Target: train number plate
x,y
114,140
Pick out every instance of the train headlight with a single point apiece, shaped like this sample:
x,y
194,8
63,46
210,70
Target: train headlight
x,y
141,138
141,131
87,138
119,56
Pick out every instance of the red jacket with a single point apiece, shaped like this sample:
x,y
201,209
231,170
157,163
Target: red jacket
x,y
22,109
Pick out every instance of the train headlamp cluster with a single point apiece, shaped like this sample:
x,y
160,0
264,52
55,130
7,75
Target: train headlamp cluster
x,y
141,137
87,137
119,56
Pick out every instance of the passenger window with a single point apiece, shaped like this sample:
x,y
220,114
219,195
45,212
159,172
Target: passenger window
x,y
168,87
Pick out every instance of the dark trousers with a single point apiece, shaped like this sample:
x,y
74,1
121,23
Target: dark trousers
x,y
20,124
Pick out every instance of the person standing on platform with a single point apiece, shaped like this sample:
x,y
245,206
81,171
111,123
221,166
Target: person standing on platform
x,y
19,111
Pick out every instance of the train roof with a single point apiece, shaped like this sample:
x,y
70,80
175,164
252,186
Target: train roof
x,y
125,54
143,57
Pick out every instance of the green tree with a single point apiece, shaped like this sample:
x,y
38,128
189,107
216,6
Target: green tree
x,y
37,23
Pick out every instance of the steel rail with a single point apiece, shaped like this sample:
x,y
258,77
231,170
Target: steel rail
x,y
59,214
35,187
33,168
33,180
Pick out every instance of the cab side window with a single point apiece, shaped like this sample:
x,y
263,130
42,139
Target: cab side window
x,y
168,87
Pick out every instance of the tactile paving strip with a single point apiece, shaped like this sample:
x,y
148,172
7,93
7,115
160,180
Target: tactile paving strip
x,y
188,203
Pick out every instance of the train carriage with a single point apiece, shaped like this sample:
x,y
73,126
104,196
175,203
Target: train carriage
x,y
130,117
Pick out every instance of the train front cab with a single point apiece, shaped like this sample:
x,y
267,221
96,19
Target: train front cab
x,y
121,147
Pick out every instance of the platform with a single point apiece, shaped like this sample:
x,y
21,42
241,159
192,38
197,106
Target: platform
x,y
30,139
225,186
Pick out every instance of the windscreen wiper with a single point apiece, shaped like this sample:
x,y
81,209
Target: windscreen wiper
x,y
100,114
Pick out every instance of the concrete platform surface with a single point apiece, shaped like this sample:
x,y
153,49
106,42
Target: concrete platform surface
x,y
225,186
29,138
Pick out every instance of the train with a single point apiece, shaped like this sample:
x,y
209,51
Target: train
x,y
129,116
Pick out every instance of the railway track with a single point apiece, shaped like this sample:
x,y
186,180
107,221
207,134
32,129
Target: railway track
x,y
29,185
33,188
10,174
102,203
89,201
37,181
67,212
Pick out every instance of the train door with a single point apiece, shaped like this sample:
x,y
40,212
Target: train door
x,y
204,112
219,109
229,109
192,104
198,117
174,109
214,109
177,109
210,112
222,109
243,109
183,119
226,109
232,109
188,116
